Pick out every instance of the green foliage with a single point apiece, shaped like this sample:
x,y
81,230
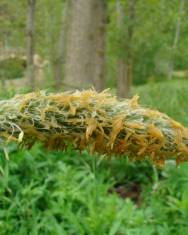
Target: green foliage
x,y
153,37
67,193
169,97
12,68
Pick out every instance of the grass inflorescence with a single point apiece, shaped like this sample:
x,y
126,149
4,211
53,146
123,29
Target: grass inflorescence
x,y
96,121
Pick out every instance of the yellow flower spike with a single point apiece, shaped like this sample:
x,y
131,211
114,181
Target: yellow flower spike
x,y
97,121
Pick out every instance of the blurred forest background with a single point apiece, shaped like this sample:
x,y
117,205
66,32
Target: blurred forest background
x,y
131,46
102,43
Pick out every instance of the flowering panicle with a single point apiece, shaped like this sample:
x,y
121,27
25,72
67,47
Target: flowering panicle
x,y
97,121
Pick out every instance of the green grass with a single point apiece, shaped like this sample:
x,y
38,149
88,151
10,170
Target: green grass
x,y
72,193
170,97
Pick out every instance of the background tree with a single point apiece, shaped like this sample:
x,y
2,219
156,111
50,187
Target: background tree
x,y
122,79
30,43
61,45
124,60
176,38
99,50
85,57
151,43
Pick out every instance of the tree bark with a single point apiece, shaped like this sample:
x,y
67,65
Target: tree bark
x,y
122,79
124,63
123,87
100,10
61,46
176,38
85,57
30,43
131,17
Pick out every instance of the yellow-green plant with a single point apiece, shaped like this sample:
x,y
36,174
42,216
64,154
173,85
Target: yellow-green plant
x,y
97,121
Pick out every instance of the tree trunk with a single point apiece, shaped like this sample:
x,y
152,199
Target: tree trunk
x,y
61,46
124,63
176,38
100,10
84,66
131,16
122,80
30,43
